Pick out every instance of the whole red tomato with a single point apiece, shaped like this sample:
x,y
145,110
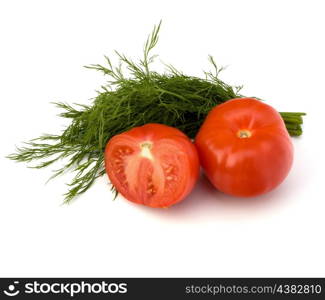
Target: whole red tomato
x,y
155,165
244,147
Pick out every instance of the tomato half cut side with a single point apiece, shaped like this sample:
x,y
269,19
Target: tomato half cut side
x,y
244,147
154,165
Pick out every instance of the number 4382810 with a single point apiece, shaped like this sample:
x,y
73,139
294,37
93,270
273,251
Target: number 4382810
x,y
299,289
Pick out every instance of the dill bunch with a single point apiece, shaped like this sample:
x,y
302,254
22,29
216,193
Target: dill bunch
x,y
144,96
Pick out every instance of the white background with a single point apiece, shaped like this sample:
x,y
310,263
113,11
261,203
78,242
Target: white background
x,y
274,48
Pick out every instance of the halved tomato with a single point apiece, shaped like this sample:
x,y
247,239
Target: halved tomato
x,y
155,165
244,147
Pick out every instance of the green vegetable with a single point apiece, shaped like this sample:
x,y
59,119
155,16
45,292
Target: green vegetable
x,y
145,96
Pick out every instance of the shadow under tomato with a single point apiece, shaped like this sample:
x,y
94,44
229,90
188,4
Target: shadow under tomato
x,y
206,203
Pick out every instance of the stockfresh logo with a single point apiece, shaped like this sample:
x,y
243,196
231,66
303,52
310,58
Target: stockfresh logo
x,y
69,289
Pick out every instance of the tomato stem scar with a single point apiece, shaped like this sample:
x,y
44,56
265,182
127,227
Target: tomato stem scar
x,y
244,133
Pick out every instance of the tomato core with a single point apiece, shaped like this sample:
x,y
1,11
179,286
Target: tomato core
x,y
146,150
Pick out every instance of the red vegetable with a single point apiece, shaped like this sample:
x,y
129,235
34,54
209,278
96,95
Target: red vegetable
x,y
244,147
154,165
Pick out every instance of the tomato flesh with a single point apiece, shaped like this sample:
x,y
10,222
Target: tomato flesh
x,y
244,147
155,165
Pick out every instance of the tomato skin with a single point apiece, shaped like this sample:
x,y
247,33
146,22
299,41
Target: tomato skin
x,y
154,165
244,147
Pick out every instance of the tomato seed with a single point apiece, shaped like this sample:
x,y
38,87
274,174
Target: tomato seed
x,y
169,170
